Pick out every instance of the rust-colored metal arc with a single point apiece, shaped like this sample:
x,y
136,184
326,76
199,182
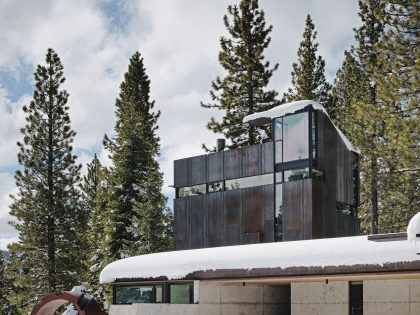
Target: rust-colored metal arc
x,y
51,303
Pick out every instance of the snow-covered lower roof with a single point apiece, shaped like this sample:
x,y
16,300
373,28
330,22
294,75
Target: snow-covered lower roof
x,y
262,118
317,254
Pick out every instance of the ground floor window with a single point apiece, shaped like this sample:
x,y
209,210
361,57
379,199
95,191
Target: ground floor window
x,y
175,293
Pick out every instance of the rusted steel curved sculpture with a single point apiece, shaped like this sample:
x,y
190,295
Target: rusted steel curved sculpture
x,y
84,304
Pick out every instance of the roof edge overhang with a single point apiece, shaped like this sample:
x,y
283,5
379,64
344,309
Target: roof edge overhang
x,y
400,270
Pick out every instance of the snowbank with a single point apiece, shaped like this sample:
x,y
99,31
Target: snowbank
x,y
346,251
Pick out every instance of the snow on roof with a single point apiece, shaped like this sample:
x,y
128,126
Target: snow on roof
x,y
346,251
413,228
290,108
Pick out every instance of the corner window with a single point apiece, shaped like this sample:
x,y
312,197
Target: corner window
x,y
251,181
278,219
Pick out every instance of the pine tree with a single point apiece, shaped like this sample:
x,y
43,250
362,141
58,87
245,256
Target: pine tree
x,y
308,76
136,204
50,222
5,289
398,86
243,90
95,189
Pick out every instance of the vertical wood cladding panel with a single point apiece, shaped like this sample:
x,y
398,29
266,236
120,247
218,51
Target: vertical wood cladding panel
x,y
215,167
267,200
198,166
319,210
327,161
196,211
232,217
297,207
267,154
181,173
251,163
251,210
232,163
214,219
344,182
181,224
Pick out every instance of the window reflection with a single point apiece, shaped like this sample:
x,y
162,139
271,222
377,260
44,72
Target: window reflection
x,y
295,137
278,219
192,190
251,181
217,186
180,293
279,151
278,129
133,294
291,175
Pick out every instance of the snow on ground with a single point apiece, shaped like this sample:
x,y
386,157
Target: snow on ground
x,y
346,251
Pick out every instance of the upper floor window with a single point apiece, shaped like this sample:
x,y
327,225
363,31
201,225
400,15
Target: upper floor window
x,y
296,137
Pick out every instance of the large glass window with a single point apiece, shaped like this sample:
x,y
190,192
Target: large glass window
x,y
251,181
296,137
133,294
180,293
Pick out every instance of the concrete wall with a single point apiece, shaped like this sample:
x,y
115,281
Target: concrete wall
x,y
319,298
216,299
391,297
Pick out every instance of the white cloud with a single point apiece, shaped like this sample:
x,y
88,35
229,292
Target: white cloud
x,y
179,41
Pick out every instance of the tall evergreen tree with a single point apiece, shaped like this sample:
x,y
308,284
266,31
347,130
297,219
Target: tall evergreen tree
x,y
308,76
50,221
95,189
243,90
136,204
399,87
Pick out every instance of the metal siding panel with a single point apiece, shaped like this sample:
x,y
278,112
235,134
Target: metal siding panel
x,y
232,217
251,210
180,224
232,163
215,167
214,218
251,163
198,170
267,199
196,210
181,173
267,162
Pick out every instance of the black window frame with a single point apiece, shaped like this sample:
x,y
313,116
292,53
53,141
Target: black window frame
x,y
165,290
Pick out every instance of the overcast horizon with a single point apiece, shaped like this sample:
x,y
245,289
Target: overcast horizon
x,y
179,41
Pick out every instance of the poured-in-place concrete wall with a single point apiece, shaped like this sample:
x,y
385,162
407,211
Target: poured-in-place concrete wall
x,y
320,298
216,299
391,297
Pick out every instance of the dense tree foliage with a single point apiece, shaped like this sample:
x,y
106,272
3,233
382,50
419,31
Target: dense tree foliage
x,y
243,89
50,253
308,77
375,92
136,205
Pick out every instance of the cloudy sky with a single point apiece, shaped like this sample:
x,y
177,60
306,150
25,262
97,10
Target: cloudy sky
x,y
179,40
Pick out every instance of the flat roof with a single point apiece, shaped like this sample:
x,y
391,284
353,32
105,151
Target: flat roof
x,y
320,257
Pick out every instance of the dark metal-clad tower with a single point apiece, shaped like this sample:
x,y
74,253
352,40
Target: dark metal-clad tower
x,y
302,185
